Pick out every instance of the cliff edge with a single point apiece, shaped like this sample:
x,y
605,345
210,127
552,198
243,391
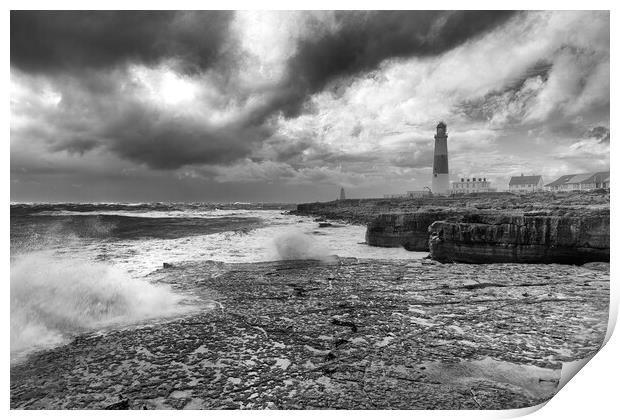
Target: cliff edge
x,y
567,228
527,238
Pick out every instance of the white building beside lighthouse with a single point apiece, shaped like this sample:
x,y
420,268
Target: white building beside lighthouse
x,y
441,178
472,185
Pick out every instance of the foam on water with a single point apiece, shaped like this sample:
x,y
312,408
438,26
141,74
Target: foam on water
x,y
206,214
53,298
279,237
82,282
295,245
282,237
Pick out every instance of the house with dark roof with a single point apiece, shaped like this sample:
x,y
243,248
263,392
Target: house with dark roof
x,y
525,184
606,182
580,182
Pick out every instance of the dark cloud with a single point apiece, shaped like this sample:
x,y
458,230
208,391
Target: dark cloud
x,y
541,69
51,41
89,118
87,54
76,145
357,130
283,149
513,101
94,101
163,142
600,133
365,39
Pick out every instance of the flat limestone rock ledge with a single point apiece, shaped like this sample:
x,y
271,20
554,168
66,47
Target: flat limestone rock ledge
x,y
351,334
521,239
364,210
409,230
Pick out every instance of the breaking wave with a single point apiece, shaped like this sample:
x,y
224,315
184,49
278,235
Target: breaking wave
x,y
295,245
54,298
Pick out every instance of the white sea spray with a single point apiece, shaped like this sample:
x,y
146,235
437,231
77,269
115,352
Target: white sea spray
x,y
54,297
296,245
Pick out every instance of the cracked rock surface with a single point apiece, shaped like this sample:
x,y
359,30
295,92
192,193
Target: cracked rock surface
x,y
354,334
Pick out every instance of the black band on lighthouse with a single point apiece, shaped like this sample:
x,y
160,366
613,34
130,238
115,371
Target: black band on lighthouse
x,y
440,164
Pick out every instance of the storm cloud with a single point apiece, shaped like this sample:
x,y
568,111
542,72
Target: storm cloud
x,y
305,97
57,41
75,44
365,39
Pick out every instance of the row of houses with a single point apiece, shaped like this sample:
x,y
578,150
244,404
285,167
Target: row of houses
x,y
580,182
522,184
532,183
574,182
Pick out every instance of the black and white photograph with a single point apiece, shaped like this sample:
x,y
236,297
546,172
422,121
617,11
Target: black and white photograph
x,y
306,209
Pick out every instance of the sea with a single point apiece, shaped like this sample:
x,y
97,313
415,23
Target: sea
x,y
84,268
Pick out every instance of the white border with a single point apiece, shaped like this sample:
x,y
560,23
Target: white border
x,y
593,394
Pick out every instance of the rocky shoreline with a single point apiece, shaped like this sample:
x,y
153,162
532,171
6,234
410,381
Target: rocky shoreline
x,y
527,238
363,211
353,334
571,228
409,230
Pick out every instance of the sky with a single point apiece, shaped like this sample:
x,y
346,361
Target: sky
x,y
265,106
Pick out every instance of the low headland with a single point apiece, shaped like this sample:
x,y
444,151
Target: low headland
x,y
544,227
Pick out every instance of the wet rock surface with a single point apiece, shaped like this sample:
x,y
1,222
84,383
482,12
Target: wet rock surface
x,y
364,334
529,238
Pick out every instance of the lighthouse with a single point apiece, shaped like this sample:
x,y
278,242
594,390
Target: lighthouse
x,y
441,179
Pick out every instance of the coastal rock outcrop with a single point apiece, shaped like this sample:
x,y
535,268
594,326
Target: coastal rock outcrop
x,y
526,238
545,227
409,230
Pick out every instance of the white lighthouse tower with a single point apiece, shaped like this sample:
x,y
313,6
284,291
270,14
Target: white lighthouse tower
x,y
441,178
